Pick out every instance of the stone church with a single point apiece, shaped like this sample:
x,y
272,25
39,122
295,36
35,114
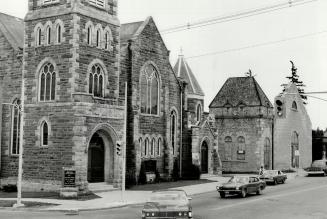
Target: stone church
x,y
75,58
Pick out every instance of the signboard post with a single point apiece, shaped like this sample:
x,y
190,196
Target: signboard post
x,y
68,188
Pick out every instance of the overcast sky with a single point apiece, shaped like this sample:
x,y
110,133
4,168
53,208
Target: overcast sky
x,y
270,63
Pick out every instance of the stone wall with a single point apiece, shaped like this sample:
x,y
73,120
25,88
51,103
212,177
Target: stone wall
x,y
292,120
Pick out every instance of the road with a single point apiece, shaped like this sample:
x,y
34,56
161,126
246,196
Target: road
x,y
303,197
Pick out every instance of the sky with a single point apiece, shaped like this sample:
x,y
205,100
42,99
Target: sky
x,y
299,34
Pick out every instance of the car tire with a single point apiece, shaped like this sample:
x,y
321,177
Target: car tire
x,y
243,193
275,182
259,190
222,194
283,181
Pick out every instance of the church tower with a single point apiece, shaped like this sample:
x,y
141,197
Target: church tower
x,y
72,108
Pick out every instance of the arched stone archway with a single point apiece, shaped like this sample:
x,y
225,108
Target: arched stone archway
x,y
100,166
204,157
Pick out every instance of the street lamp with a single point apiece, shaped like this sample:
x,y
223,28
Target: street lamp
x,y
20,159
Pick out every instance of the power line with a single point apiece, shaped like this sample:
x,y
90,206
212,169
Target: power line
x,y
258,44
317,92
317,98
236,16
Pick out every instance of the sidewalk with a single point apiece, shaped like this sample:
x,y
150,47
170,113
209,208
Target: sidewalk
x,y
113,199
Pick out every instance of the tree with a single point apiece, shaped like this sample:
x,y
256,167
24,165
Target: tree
x,y
294,78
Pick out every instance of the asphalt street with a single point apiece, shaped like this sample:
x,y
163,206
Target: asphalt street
x,y
303,197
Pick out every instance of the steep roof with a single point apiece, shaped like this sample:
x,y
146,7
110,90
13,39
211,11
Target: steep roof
x,y
127,31
13,30
183,70
240,90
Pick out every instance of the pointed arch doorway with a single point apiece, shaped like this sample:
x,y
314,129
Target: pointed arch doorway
x,y
204,157
100,166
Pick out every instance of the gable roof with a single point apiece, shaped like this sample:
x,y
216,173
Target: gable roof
x,y
131,31
13,30
240,90
183,70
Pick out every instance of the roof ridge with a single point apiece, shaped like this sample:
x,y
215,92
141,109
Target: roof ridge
x,y
9,15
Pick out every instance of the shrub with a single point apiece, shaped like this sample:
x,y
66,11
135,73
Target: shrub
x,y
192,172
142,176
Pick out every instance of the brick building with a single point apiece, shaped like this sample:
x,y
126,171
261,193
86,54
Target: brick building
x,y
292,131
244,119
76,58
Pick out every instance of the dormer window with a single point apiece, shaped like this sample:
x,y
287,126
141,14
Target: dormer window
x,y
98,3
46,2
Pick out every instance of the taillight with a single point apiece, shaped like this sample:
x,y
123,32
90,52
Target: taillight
x,y
190,214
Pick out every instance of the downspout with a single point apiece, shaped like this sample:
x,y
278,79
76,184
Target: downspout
x,y
272,145
181,135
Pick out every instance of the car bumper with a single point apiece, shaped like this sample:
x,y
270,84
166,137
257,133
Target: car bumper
x,y
315,172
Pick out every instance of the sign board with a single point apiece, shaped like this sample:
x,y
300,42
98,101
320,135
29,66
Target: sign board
x,y
69,177
297,153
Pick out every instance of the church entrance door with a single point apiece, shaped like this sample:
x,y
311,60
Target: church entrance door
x,y
204,157
96,155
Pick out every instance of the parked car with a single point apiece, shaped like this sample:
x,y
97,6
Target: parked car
x,y
318,167
273,176
168,204
241,185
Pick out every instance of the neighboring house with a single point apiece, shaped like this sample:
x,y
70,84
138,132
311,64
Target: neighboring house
x,y
292,131
77,58
244,119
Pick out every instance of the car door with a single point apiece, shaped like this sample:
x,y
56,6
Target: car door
x,y
252,185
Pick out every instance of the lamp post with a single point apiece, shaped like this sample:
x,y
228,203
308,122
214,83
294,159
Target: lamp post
x,y
20,109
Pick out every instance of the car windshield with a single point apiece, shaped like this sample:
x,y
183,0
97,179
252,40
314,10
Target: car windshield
x,y
239,179
169,197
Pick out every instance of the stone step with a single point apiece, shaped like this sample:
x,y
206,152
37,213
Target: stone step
x,y
101,187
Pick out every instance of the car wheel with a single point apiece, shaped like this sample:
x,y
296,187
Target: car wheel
x,y
275,182
283,181
243,193
259,190
222,194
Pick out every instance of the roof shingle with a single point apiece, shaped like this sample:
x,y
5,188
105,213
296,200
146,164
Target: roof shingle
x,y
240,90
13,30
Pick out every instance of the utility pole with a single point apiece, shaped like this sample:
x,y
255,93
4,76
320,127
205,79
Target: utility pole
x,y
123,183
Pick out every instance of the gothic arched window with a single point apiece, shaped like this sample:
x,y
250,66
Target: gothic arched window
x,y
15,128
228,148
146,147
149,90
98,38
44,134
241,148
107,40
294,105
159,147
38,37
48,35
98,3
198,113
47,83
89,35
59,33
153,146
173,130
96,79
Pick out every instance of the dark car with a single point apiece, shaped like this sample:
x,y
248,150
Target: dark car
x,y
318,167
241,185
167,204
273,176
